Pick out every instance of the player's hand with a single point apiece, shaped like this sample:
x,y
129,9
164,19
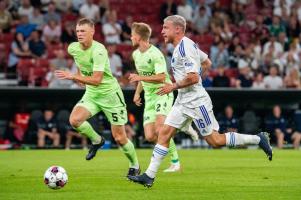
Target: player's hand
x,y
61,74
80,84
134,78
137,100
165,89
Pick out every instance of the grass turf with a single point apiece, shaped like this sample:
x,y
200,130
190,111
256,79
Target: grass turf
x,y
206,174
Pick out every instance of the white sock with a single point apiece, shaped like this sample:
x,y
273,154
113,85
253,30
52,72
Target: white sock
x,y
159,154
235,139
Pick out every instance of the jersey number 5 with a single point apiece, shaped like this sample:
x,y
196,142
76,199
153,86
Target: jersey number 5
x,y
114,116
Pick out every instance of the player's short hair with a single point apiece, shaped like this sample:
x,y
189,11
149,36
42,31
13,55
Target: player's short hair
x,y
83,21
177,20
142,29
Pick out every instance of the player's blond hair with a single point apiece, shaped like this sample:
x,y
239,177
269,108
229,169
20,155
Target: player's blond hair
x,y
142,29
177,20
83,21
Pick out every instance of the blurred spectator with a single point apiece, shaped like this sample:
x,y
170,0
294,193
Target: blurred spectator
x,y
283,40
47,128
37,18
201,21
258,81
168,8
293,28
63,5
5,18
115,60
273,81
68,34
25,27
76,4
104,7
90,10
260,30
276,27
219,55
245,77
19,126
290,60
292,79
25,8
198,4
59,63
237,13
296,137
185,10
52,32
126,29
36,45
112,29
272,46
221,80
228,122
70,134
277,124
52,14
19,49
235,56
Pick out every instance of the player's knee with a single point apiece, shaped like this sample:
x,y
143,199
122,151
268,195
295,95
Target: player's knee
x,y
150,137
75,122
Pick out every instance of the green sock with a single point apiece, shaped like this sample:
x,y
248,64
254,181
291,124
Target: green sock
x,y
87,130
129,151
172,150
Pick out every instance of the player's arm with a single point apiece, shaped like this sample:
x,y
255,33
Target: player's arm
x,y
191,79
95,79
137,98
157,78
206,65
191,66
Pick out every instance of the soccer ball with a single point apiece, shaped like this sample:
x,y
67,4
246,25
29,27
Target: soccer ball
x,y
55,177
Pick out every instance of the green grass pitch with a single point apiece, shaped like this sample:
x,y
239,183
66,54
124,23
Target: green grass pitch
x,y
206,174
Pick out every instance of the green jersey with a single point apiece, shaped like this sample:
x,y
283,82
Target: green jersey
x,y
148,63
94,59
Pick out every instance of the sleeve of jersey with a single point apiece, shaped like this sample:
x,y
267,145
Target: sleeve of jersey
x,y
159,63
190,59
70,49
203,55
99,58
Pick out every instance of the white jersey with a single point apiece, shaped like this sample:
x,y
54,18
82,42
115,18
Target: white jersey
x,y
186,58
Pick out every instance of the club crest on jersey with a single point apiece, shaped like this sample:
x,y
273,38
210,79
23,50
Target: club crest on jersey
x,y
149,61
188,65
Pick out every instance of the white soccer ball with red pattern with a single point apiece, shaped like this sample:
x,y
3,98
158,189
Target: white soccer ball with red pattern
x,y
55,177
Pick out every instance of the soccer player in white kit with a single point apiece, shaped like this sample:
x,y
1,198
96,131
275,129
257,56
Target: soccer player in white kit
x,y
192,104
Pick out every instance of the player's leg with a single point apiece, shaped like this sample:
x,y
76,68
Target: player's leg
x,y
296,138
208,127
175,120
78,120
116,113
55,136
41,138
69,136
126,146
280,138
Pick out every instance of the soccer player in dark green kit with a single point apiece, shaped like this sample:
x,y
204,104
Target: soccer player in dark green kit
x,y
103,93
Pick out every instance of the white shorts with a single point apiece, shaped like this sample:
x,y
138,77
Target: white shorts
x,y
204,119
